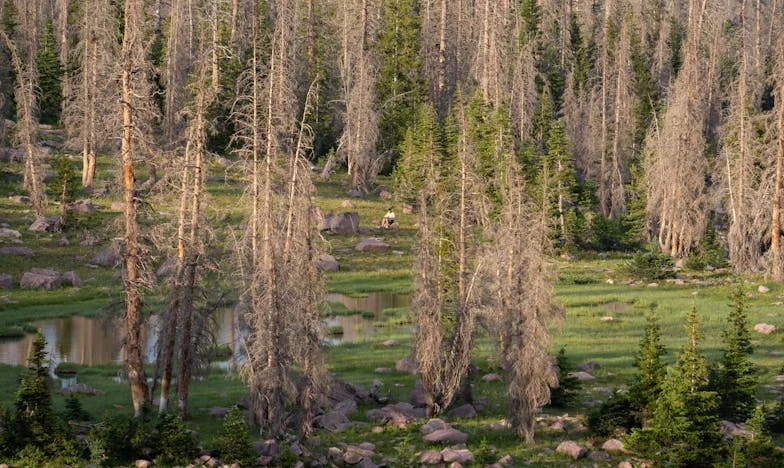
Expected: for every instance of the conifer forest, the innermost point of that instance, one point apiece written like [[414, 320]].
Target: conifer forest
[[580, 263]]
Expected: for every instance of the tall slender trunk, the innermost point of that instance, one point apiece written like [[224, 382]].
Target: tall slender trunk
[[169, 340], [775, 239], [133, 315], [442, 51]]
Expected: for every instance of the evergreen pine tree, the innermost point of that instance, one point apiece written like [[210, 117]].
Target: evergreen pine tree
[[558, 163], [421, 147], [234, 442], [33, 420], [648, 383], [50, 75], [735, 382], [400, 87], [685, 426]]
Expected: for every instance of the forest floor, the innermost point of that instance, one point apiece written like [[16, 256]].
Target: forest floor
[[591, 288]]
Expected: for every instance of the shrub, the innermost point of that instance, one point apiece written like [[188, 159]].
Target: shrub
[[234, 441], [614, 414], [173, 443], [74, 410], [568, 386], [652, 265]]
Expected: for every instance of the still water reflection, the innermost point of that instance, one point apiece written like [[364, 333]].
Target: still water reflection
[[93, 341]]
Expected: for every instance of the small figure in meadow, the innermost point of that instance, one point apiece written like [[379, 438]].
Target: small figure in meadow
[[389, 219]]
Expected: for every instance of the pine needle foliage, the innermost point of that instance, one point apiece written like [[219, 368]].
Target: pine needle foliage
[[684, 430], [735, 378]]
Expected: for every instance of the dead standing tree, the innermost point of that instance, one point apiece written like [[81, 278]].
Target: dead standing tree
[[446, 272], [26, 127], [675, 163], [189, 247], [521, 307], [136, 110], [282, 287], [90, 117]]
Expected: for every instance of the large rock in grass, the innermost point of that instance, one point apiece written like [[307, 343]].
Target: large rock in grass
[[613, 445], [6, 281], [465, 411], [335, 421], [73, 278], [19, 251], [341, 391], [457, 454], [81, 389], [430, 457], [327, 262], [399, 415], [371, 244], [84, 206], [573, 449], [406, 365], [433, 425], [764, 328], [9, 233], [343, 223], [450, 435], [39, 278], [108, 257], [46, 224]]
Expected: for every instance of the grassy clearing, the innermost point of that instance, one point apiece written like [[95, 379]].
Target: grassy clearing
[[583, 290]]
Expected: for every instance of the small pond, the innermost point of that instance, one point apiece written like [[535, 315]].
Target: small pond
[[94, 341]]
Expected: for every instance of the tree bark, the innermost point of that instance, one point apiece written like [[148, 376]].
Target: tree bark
[[775, 234], [133, 313]]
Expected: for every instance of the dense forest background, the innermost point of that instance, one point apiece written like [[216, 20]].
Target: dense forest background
[[659, 119], [509, 129]]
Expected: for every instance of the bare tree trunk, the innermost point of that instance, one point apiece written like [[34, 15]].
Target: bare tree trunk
[[442, 25], [775, 234], [27, 128], [169, 339], [605, 85], [133, 314]]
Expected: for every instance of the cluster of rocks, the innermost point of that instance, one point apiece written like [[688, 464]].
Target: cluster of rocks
[[360, 455], [575, 450], [341, 223], [48, 279]]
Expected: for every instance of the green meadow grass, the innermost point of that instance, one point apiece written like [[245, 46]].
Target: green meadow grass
[[583, 291]]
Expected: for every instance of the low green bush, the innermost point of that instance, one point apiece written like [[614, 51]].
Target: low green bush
[[651, 265]]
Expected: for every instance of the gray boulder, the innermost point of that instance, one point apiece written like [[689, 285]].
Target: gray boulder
[[17, 250], [335, 421], [343, 223], [457, 454], [450, 435], [46, 224], [39, 278], [573, 449], [464, 411], [371, 244], [9, 233], [108, 257], [73, 278], [430, 457], [433, 425], [327, 262], [6, 281], [406, 365], [84, 206]]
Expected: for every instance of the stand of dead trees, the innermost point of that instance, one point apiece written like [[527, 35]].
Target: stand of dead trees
[[282, 288]]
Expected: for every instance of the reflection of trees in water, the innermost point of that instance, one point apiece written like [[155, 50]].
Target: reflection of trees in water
[[98, 340]]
